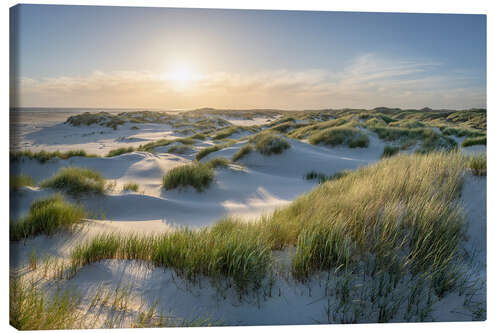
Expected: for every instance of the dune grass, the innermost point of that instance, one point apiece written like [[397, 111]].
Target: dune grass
[[430, 139], [477, 164], [120, 151], [243, 151], [197, 175], [269, 143], [219, 252], [208, 150], [76, 181], [307, 131], [180, 149], [461, 132], [44, 156], [134, 187], [321, 177], [150, 146], [226, 132], [474, 141], [19, 181], [31, 309], [390, 151], [218, 162], [47, 216], [342, 135]]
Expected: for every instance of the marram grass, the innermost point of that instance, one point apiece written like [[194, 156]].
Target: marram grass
[[47, 216], [19, 181], [197, 175], [76, 181]]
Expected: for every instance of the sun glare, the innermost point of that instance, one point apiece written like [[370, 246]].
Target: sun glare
[[181, 76]]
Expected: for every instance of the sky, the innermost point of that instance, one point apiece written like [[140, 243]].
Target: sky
[[174, 58]]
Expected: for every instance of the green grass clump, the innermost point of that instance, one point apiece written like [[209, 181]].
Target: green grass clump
[[208, 150], [31, 309], [343, 135], [19, 181], [321, 246], [120, 151], [44, 156], [306, 131], [197, 175], [430, 139], [131, 187], [227, 250], [474, 141], [390, 151], [477, 164], [180, 149], [47, 216], [76, 181], [461, 132], [268, 143], [225, 132], [321, 177], [244, 150], [164, 142], [218, 162]]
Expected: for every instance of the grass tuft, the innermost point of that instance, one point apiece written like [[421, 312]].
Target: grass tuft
[[390, 151], [197, 175], [76, 181], [131, 187], [44, 156], [342, 135], [218, 162], [268, 143], [474, 141], [19, 181], [47, 216], [120, 151], [244, 150], [477, 164]]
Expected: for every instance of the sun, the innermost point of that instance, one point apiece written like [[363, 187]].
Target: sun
[[181, 77]]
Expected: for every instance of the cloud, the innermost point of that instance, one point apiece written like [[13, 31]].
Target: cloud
[[368, 81]]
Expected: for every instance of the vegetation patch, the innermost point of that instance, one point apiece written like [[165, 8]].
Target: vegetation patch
[[197, 175], [223, 251], [243, 151], [76, 181], [180, 149], [120, 151], [134, 187], [474, 141], [477, 164], [31, 309], [390, 151], [19, 181], [208, 150], [218, 162], [461, 132], [268, 143], [47, 216], [343, 135], [44, 156], [150, 146], [321, 177]]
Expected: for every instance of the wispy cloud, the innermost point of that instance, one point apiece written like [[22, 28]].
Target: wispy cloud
[[367, 82]]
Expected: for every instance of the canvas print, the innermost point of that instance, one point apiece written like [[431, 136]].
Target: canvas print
[[219, 167]]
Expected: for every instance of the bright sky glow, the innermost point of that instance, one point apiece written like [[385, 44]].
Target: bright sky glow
[[85, 56]]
